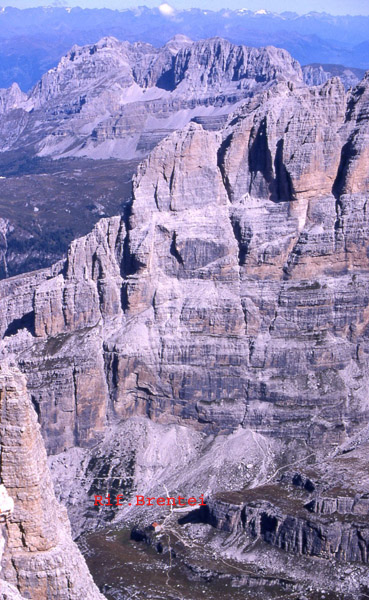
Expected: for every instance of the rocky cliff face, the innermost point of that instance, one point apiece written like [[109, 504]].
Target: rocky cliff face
[[115, 99], [240, 236], [4, 228], [279, 517], [11, 98], [40, 559], [228, 304], [108, 100], [316, 74]]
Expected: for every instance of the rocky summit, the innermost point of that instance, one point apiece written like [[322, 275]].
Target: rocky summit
[[213, 339], [114, 101]]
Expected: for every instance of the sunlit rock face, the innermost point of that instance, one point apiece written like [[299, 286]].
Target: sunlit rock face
[[40, 559], [223, 316], [7, 591], [232, 292]]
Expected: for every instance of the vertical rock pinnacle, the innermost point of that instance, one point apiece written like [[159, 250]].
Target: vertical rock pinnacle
[[40, 557]]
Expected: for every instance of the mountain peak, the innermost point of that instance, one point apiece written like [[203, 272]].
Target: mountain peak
[[179, 37], [166, 9], [177, 42]]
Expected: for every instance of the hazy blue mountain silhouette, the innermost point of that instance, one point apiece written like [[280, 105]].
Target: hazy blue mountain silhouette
[[32, 40]]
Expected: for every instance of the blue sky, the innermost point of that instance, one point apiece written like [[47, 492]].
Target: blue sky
[[337, 7]]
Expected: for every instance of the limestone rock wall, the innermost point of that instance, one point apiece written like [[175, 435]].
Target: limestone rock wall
[[115, 99], [316, 74], [11, 98], [232, 292], [283, 523], [40, 558]]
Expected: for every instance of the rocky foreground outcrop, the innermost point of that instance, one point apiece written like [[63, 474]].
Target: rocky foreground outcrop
[[280, 517], [228, 305], [7, 591], [40, 559]]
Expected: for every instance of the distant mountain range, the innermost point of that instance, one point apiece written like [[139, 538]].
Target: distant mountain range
[[114, 99], [33, 40]]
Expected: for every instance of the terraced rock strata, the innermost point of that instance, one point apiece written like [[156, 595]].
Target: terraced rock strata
[[217, 332]]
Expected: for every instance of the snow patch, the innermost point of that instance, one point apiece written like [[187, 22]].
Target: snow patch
[[166, 9]]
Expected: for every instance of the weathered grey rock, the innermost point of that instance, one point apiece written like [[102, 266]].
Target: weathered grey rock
[[232, 296], [11, 98], [281, 522], [9, 592], [237, 245], [108, 99], [4, 229], [316, 74], [341, 505]]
